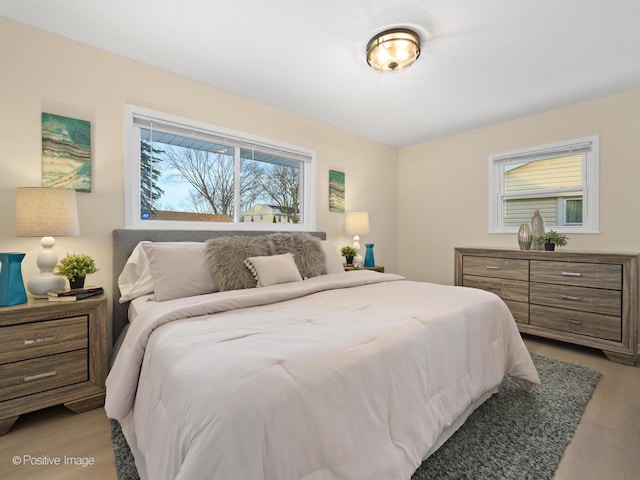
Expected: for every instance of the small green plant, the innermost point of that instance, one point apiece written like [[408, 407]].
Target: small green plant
[[555, 238], [348, 251], [75, 266]]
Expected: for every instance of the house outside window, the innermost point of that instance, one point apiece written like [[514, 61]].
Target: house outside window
[[189, 175], [560, 180]]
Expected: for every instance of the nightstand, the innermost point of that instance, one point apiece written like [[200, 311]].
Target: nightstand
[[52, 353], [377, 268]]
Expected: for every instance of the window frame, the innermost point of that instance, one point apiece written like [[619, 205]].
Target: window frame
[[562, 210], [235, 138], [589, 147]]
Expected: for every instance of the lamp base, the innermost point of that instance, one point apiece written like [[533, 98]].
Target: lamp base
[[39, 285]]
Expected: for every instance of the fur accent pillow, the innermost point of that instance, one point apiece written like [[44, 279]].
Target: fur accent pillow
[[273, 269], [307, 251], [226, 256]]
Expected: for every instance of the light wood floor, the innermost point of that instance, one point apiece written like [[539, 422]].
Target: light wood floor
[[606, 444]]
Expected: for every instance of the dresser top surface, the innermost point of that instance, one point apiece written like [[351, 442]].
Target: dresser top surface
[[558, 255]]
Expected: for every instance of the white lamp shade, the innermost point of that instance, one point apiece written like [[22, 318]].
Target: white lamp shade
[[357, 223], [44, 212]]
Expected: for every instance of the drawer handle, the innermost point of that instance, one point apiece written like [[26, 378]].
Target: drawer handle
[[39, 340], [568, 297], [571, 274], [573, 322], [492, 267], [52, 373]]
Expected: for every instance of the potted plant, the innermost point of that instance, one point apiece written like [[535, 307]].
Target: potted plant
[[550, 239], [76, 266], [348, 253]]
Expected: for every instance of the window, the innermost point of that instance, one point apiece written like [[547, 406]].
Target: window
[[186, 174], [560, 180]]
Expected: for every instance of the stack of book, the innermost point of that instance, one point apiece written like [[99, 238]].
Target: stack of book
[[74, 294]]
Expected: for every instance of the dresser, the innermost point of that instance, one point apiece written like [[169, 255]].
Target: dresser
[[584, 298], [52, 353]]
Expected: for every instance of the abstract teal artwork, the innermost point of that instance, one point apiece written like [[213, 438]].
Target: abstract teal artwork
[[336, 191], [66, 153]]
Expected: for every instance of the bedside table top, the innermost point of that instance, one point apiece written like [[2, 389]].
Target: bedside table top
[[377, 268], [36, 308]]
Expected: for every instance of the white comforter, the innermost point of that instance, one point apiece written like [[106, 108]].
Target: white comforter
[[309, 380]]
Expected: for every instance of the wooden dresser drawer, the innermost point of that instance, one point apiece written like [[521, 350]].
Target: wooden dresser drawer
[[505, 289], [519, 310], [37, 339], [496, 267], [606, 302], [45, 373], [578, 274], [574, 321]]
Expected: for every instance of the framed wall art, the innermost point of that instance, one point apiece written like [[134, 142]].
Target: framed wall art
[[336, 191], [66, 153]]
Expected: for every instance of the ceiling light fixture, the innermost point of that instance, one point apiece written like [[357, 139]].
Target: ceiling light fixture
[[393, 50]]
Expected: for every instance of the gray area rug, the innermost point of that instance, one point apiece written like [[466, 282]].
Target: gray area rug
[[515, 435]]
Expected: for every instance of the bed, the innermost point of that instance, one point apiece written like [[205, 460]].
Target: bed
[[312, 373]]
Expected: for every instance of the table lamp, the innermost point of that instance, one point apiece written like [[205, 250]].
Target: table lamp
[[356, 224], [46, 212]]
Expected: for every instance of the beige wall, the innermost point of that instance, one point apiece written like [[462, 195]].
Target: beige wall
[[42, 72], [437, 189], [443, 183]]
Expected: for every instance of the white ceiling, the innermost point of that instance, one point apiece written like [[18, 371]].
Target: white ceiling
[[483, 61]]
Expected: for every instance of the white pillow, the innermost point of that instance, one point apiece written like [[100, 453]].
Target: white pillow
[[135, 279], [179, 269], [273, 269], [332, 259]]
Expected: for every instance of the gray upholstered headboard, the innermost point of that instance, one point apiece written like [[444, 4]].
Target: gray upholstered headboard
[[125, 240]]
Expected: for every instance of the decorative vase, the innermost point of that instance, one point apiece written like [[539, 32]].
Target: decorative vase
[[550, 247], [537, 228], [349, 261], [524, 236], [12, 290], [368, 256], [77, 282]]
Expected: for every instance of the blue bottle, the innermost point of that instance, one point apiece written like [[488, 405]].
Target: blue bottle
[[12, 290], [368, 256]]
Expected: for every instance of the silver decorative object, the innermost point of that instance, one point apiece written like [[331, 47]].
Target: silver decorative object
[[537, 228], [524, 236]]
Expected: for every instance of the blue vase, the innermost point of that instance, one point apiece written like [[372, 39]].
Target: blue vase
[[368, 256], [12, 290]]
